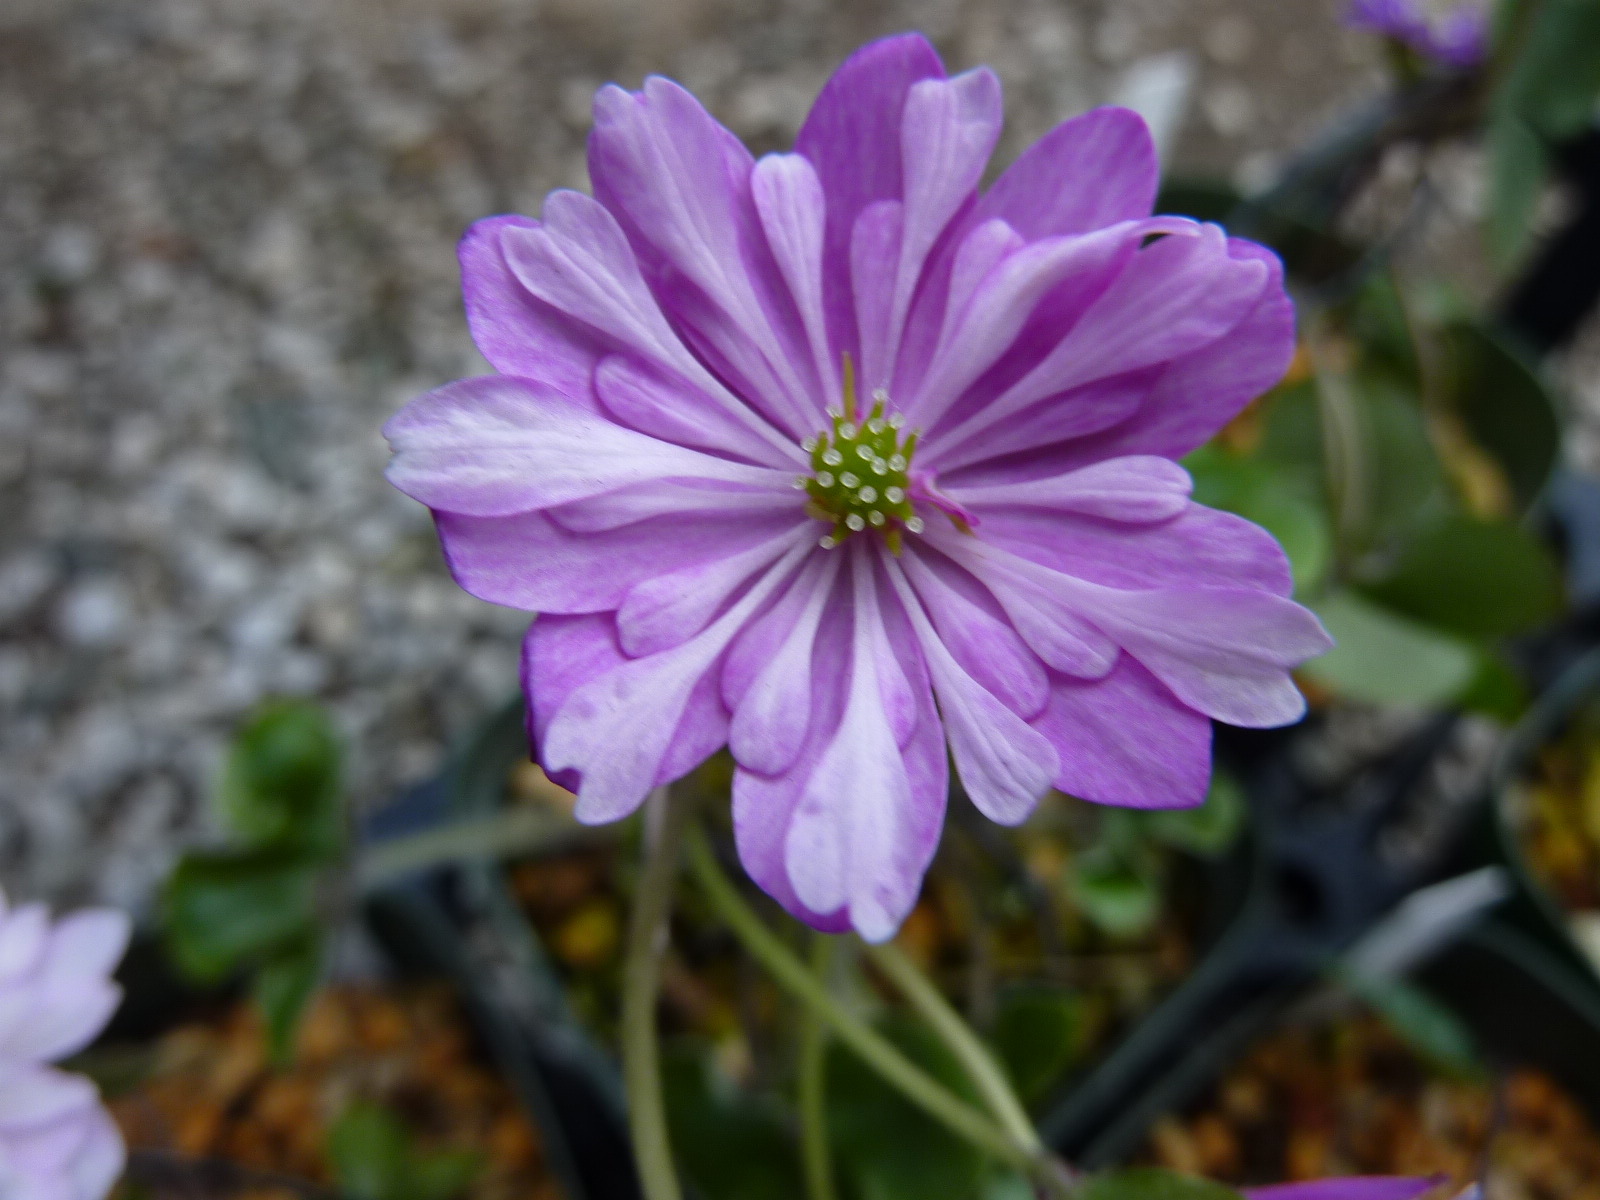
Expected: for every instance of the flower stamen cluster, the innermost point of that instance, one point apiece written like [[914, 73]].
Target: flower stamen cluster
[[860, 472]]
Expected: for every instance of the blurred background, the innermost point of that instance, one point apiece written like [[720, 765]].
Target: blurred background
[[227, 233]]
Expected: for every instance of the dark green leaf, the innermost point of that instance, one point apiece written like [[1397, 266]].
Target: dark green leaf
[[284, 983], [1152, 1183], [281, 784], [1518, 167], [1472, 578], [1504, 405], [1384, 658], [1397, 476], [1116, 896], [1428, 1027], [1556, 80], [1496, 691], [370, 1153], [222, 908], [1211, 828], [1037, 1034], [732, 1146], [887, 1148], [444, 1174]]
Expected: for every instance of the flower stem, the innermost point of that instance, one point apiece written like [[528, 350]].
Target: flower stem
[[875, 1050], [814, 1149], [511, 833], [641, 979], [975, 1058]]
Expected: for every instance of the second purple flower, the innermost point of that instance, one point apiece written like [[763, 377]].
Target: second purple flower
[[838, 461]]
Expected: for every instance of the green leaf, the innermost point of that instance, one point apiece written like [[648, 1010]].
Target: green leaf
[[1152, 1183], [1384, 658], [1400, 479], [1038, 1032], [884, 1146], [221, 908], [284, 984], [1556, 79], [370, 1152], [732, 1146], [1505, 406], [1278, 500], [1470, 577], [281, 783], [444, 1174], [373, 1159], [1208, 830], [1518, 167], [1431, 1030], [1117, 897]]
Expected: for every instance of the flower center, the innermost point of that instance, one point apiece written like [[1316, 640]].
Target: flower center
[[860, 476]]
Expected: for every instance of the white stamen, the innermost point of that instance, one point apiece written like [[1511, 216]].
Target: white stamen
[[828, 542], [847, 432], [849, 480], [915, 525], [868, 495], [810, 445], [832, 457], [880, 466], [866, 451], [876, 517], [875, 425], [897, 462], [893, 495], [881, 395], [800, 482], [825, 478], [896, 421], [855, 522]]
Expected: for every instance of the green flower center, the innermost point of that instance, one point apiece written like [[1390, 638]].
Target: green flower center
[[860, 472]]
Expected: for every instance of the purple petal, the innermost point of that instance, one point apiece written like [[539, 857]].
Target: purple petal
[[1045, 439], [789, 200], [1005, 765], [767, 675], [874, 253], [558, 654], [42, 1023], [493, 446], [580, 262], [24, 938], [1137, 489], [85, 945], [670, 607], [1126, 740], [852, 841], [982, 325], [33, 1095], [948, 131], [1200, 547], [616, 731], [518, 334], [853, 138], [679, 183], [1203, 391], [1223, 651], [664, 407], [1048, 190], [976, 632], [1176, 296], [532, 562], [1370, 1187]]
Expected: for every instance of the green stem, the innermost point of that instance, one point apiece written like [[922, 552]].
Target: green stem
[[875, 1050], [511, 833], [815, 1153], [641, 979], [968, 1048]]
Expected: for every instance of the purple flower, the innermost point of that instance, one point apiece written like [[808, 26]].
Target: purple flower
[[1366, 1187], [1458, 40], [56, 1140], [835, 460]]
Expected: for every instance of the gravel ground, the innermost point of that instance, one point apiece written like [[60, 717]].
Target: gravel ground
[[226, 255]]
